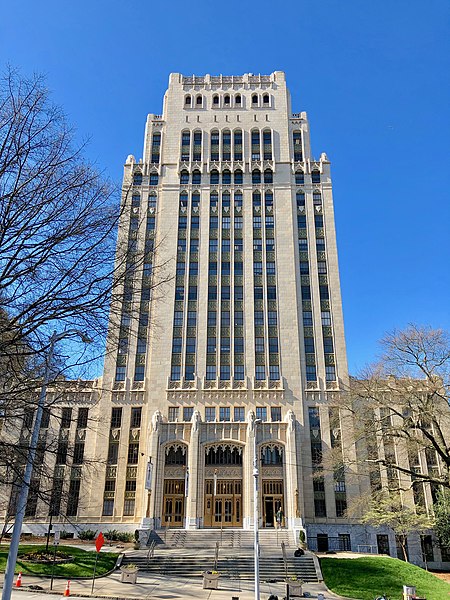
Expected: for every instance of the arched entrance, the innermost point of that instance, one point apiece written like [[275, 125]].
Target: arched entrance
[[174, 491], [272, 488], [223, 485]]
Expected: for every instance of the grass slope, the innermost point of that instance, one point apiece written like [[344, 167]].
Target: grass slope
[[81, 566], [366, 578]]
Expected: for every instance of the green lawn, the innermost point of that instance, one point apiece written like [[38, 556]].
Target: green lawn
[[82, 564], [365, 578]]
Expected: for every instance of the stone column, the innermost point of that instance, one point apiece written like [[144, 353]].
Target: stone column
[[292, 468], [192, 520], [148, 514], [247, 473]]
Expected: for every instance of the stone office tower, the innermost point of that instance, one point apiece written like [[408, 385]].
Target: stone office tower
[[247, 339]]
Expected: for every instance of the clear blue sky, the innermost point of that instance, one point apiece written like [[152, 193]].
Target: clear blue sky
[[373, 77]]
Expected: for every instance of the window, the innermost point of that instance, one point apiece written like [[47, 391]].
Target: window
[[258, 293], [238, 100], [225, 292], [238, 293], [297, 139], [226, 177], [214, 177], [180, 269], [323, 292], [192, 318], [255, 100], [216, 100], [301, 221], [330, 373], [271, 292], [307, 318], [257, 245], [210, 372], [173, 414], [309, 345], [188, 411], [61, 452], [238, 268], [176, 345], [141, 345], [199, 101], [210, 414], [311, 373], [239, 372], [82, 419], [196, 177], [189, 373], [318, 221], [195, 222], [136, 416], [257, 268], [188, 101], [260, 372], [273, 345], [185, 145], [226, 245], [326, 318], [225, 373], [225, 318], [266, 99], [256, 176], [267, 147], [275, 413], [239, 345], [320, 244], [239, 413], [66, 418], [306, 292], [152, 200], [213, 222], [226, 100], [211, 345], [238, 178], [317, 198], [175, 373], [224, 413], [212, 292], [190, 345], [304, 268], [303, 245], [299, 178], [153, 180], [238, 317], [269, 222], [197, 149], [322, 267], [315, 176], [328, 345], [137, 178], [139, 373], [259, 317], [215, 146], [133, 453], [156, 145], [257, 222], [274, 372], [212, 318], [226, 145], [182, 222], [226, 222], [120, 373], [225, 345], [74, 494], [261, 413], [268, 176], [255, 141], [181, 245], [179, 292], [213, 245], [238, 145], [272, 318]]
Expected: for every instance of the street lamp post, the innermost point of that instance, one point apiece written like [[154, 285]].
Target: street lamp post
[[256, 508], [25, 485]]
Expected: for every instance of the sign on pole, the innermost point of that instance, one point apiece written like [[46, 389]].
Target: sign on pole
[[99, 542], [148, 476], [56, 538]]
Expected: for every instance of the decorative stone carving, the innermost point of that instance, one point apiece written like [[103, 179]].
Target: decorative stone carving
[[290, 418], [251, 421], [156, 420], [196, 419]]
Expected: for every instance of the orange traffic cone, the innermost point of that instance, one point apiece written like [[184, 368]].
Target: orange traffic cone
[[67, 590], [19, 580]]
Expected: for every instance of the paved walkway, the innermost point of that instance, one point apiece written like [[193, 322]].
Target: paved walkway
[[162, 588]]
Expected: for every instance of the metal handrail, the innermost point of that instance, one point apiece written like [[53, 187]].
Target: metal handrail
[[216, 556]]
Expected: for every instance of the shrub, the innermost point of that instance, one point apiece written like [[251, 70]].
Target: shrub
[[87, 534], [65, 535]]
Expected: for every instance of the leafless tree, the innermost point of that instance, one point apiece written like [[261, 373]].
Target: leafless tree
[[399, 412], [61, 266]]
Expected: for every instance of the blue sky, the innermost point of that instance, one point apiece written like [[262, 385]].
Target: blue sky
[[373, 77]]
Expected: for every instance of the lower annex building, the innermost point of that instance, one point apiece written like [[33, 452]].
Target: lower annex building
[[243, 349]]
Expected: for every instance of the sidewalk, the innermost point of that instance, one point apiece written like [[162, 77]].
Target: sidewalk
[[164, 588]]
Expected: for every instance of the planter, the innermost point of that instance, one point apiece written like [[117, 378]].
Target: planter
[[210, 581], [128, 575], [295, 588]]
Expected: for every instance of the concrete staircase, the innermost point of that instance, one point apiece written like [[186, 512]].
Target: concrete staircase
[[182, 553]]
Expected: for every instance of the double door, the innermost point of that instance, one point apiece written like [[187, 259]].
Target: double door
[[173, 503], [272, 501], [223, 503]]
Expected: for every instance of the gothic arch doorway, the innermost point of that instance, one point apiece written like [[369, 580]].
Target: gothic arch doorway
[[174, 488]]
